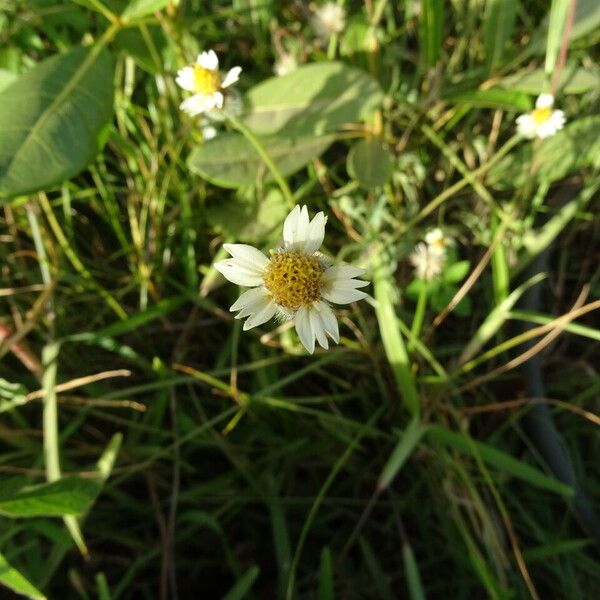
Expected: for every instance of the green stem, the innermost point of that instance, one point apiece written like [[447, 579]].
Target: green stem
[[417, 323], [393, 343], [283, 186]]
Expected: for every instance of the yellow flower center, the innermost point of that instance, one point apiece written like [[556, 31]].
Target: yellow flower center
[[206, 81], [541, 115], [294, 279]]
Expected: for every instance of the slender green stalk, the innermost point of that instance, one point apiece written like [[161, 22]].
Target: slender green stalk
[[283, 186], [417, 323], [393, 342]]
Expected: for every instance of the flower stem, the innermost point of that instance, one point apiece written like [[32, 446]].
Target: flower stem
[[283, 186], [417, 323]]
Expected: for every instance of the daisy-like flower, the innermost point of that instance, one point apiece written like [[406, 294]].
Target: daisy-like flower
[[429, 257], [295, 282], [328, 19], [204, 80], [542, 121]]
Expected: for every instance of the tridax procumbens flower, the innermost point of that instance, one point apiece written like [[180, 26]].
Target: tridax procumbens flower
[[429, 257], [542, 121], [295, 282], [204, 80], [328, 19]]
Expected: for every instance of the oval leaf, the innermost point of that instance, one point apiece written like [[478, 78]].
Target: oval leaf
[[317, 98], [230, 160], [369, 163], [13, 580], [51, 118]]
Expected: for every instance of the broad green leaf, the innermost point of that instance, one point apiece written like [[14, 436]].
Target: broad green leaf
[[251, 221], [314, 99], [406, 445], [493, 98], [51, 119], [431, 30], [13, 580], [499, 460], [243, 584], [499, 21], [69, 496], [573, 80], [230, 160], [575, 147], [369, 162], [141, 8], [136, 45], [6, 78]]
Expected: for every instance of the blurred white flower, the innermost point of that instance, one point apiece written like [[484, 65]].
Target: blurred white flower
[[286, 64], [204, 80], [295, 282], [429, 257], [542, 122], [209, 132], [328, 19]]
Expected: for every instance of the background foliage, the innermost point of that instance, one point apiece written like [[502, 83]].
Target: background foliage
[[150, 449]]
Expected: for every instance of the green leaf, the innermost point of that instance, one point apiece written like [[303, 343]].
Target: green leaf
[[431, 30], [413, 577], [587, 18], [575, 147], [402, 451], [12, 579], [573, 80], [69, 496], [493, 98], [499, 21], [243, 584], [230, 160], [140, 8], [314, 99], [498, 459], [51, 119], [326, 585], [456, 272], [370, 163], [250, 221], [133, 42], [6, 78]]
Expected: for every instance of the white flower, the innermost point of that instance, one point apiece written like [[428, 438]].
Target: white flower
[[204, 80], [296, 282], [542, 122], [329, 19], [429, 257]]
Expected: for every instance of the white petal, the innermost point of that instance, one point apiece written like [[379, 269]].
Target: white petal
[[347, 284], [232, 76], [315, 233], [249, 298], [317, 327], [247, 255], [526, 126], [544, 101], [547, 129], [239, 273], [295, 227], [342, 272], [218, 100], [304, 329], [208, 60], [328, 320], [197, 104], [558, 119], [185, 79], [266, 313], [342, 296]]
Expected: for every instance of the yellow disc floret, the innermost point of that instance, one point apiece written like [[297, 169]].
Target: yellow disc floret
[[206, 81], [541, 115], [294, 279]]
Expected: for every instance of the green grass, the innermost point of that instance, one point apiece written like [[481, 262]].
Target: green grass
[[231, 464]]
